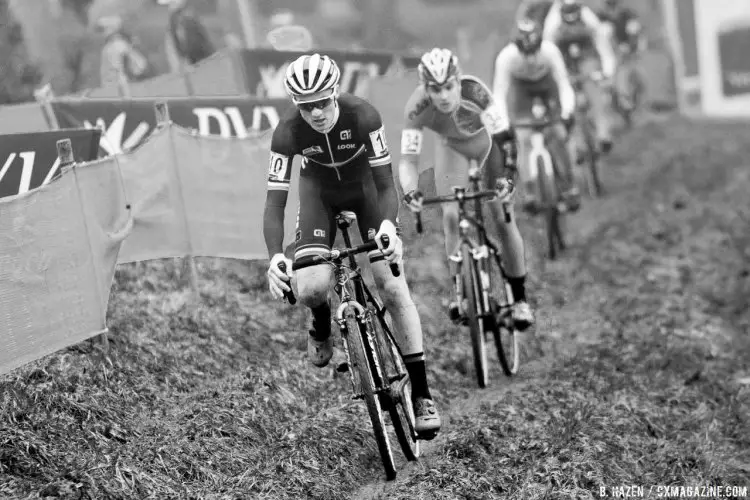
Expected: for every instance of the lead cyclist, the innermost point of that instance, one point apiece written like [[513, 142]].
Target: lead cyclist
[[471, 125], [346, 167]]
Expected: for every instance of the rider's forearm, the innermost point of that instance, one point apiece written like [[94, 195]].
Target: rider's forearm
[[408, 174], [606, 53], [387, 194], [273, 221]]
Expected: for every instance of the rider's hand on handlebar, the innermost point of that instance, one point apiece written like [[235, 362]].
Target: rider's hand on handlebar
[[413, 200], [395, 249], [279, 281], [505, 188]]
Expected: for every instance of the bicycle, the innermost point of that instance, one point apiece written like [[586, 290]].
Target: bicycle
[[591, 173], [542, 169], [625, 102], [373, 358], [479, 264]]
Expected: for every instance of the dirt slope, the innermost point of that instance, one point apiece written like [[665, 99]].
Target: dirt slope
[[638, 372]]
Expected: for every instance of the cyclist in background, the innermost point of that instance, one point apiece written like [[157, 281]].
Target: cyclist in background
[[568, 23], [530, 67], [346, 165], [626, 35], [460, 109]]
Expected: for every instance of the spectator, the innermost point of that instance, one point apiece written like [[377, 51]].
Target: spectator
[[187, 40], [121, 61]]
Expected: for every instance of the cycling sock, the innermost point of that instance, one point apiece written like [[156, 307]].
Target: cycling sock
[[518, 288], [418, 375], [321, 321]]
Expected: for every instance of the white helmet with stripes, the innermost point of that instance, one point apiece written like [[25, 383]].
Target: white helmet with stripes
[[437, 66], [310, 74]]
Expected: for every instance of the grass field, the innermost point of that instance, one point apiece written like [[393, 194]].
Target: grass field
[[637, 373]]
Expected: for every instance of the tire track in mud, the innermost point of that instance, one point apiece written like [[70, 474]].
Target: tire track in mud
[[569, 295]]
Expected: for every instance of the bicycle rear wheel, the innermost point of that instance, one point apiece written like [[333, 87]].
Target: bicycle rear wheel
[[471, 295], [401, 408], [505, 335], [359, 358]]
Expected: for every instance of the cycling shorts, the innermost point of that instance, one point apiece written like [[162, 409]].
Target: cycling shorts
[[521, 96], [323, 193], [453, 156]]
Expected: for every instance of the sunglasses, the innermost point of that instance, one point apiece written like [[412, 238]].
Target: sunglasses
[[310, 106]]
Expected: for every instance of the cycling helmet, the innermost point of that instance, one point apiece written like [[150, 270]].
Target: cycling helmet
[[310, 74], [528, 37], [570, 11], [437, 66]]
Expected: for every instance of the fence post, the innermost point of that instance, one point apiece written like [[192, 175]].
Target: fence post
[[188, 263], [67, 161]]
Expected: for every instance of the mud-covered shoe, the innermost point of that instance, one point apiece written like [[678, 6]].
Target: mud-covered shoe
[[427, 419], [454, 313], [319, 351], [523, 316], [572, 199]]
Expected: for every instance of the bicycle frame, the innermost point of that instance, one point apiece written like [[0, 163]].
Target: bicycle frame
[[354, 302], [480, 250]]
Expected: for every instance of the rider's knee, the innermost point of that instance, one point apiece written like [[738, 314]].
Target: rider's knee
[[393, 290], [450, 219], [312, 287]]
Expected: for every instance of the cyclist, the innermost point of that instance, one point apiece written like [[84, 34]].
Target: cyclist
[[530, 67], [626, 34], [568, 23], [346, 165], [460, 109]]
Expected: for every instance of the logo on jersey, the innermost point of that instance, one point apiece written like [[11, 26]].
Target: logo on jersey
[[312, 150], [421, 106], [277, 167], [346, 146], [346, 135], [319, 233]]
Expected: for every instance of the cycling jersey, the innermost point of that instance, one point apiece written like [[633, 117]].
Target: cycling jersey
[[511, 65], [627, 27], [588, 32], [353, 154], [476, 113]]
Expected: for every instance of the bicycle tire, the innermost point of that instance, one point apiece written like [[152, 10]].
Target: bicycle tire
[[400, 408], [359, 358], [508, 353], [593, 180], [471, 295], [549, 200]]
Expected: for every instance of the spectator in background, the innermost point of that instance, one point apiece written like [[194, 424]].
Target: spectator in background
[[187, 40], [121, 61]]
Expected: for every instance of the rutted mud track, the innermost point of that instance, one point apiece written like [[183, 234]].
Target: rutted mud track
[[637, 371], [592, 292]]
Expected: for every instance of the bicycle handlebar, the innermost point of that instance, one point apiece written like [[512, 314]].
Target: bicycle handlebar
[[452, 198], [335, 254], [537, 122]]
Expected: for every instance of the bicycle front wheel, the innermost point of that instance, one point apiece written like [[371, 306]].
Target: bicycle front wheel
[[593, 181], [471, 297], [550, 200], [401, 408], [359, 358]]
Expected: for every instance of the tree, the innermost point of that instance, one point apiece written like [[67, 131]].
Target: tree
[[19, 76]]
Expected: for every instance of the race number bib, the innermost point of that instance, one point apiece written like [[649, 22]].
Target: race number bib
[[277, 167], [494, 120], [377, 138], [411, 142]]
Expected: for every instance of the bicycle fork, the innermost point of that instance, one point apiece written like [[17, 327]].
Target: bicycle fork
[[363, 317]]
